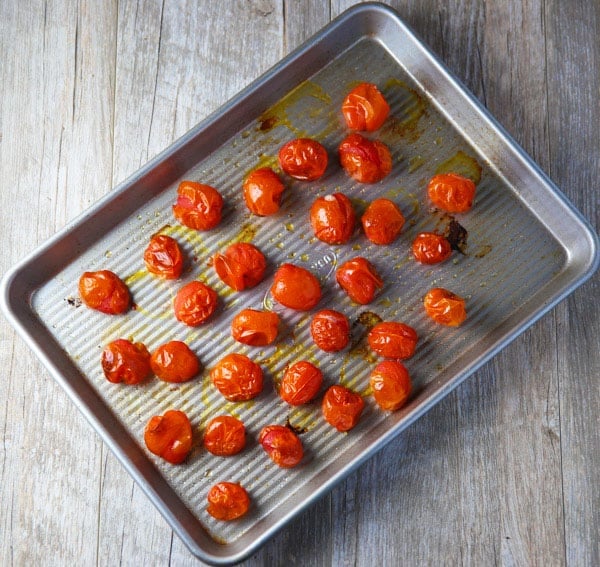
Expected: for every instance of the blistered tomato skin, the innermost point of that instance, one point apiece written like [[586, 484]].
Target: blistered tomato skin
[[332, 218], [237, 377], [198, 206], [451, 192], [303, 159], [255, 328], [382, 221], [359, 279], [393, 340], [224, 436], [126, 362], [296, 288], [330, 330], [169, 436], [163, 257], [301, 383], [445, 307], [227, 501], [241, 266], [342, 407], [104, 291], [262, 192], [194, 303], [391, 385], [282, 445], [431, 248], [366, 161], [174, 362], [365, 108]]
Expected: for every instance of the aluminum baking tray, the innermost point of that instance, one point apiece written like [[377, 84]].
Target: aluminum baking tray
[[527, 249]]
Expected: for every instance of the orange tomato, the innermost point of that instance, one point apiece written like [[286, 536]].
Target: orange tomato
[[237, 377], [104, 291], [163, 257], [169, 436], [296, 288], [391, 385], [241, 266], [431, 248], [330, 330], [359, 279], [255, 328], [382, 221], [365, 108], [262, 192], [451, 192], [282, 445], [198, 206], [174, 362], [227, 501], [445, 307], [393, 340], [366, 161], [301, 383], [303, 159], [224, 436], [332, 218], [342, 407], [125, 361], [194, 303]]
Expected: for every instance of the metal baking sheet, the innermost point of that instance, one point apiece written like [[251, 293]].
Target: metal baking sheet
[[527, 249]]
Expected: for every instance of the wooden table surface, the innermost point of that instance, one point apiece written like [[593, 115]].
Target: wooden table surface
[[505, 470]]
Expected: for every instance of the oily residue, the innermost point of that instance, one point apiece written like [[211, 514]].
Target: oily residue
[[404, 121], [462, 164], [483, 251], [246, 233]]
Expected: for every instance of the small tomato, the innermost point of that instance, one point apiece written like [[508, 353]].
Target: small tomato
[[332, 218], [365, 108], [303, 159], [237, 377], [163, 257], [330, 330], [359, 279], [451, 192], [174, 361], [198, 206], [342, 407], [393, 340], [104, 291], [431, 248], [282, 445], [445, 307], [169, 436], [366, 161], [194, 303], [255, 328], [262, 192], [300, 383], [296, 287], [382, 221], [125, 361], [391, 385], [241, 266], [224, 436], [227, 501]]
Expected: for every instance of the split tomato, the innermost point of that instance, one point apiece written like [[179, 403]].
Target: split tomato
[[262, 192], [255, 328], [365, 108]]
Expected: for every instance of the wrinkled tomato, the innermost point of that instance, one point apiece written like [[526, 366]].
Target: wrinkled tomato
[[303, 159], [163, 257], [125, 361], [330, 330], [198, 206], [224, 436], [332, 218], [241, 266], [169, 436], [451, 192], [445, 307], [237, 377], [431, 248], [342, 407], [301, 382], [359, 279], [296, 287], [262, 192], [255, 328], [174, 362], [366, 161], [282, 445], [194, 303], [104, 291], [382, 221], [393, 340], [365, 108], [227, 501], [391, 385]]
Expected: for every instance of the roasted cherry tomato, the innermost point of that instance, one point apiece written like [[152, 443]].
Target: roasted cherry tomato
[[330, 330], [393, 340], [445, 307], [303, 159], [163, 257], [227, 501], [365, 108], [262, 192], [332, 218], [391, 385], [237, 377], [241, 266], [104, 291], [125, 361], [174, 362], [301, 383], [451, 192], [282, 445], [366, 161], [431, 248], [198, 206], [296, 287], [194, 303], [382, 221], [255, 328], [359, 279], [169, 436], [342, 407], [224, 436]]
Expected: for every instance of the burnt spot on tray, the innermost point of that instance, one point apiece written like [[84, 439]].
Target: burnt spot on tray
[[457, 236], [295, 428], [74, 301]]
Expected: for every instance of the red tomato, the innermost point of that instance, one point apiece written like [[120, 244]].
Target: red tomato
[[296, 288], [262, 192], [224, 436], [174, 362], [237, 377], [365, 108], [169, 436], [303, 159], [342, 407], [194, 303], [104, 291], [451, 192], [198, 206], [282, 445], [125, 361], [445, 307], [431, 248], [227, 501], [330, 330], [366, 161], [382, 221], [255, 328], [163, 257], [301, 383], [241, 266], [391, 385], [332, 218], [393, 340], [359, 279]]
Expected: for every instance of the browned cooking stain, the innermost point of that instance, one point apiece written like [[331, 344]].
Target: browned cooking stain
[[462, 164]]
